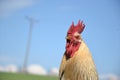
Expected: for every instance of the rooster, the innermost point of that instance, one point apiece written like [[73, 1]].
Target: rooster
[[77, 62]]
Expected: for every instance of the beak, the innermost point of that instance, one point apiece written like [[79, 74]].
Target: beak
[[67, 38]]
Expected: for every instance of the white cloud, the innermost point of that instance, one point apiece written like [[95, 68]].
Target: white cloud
[[109, 77], [2, 69], [10, 68], [7, 7], [54, 71], [36, 69]]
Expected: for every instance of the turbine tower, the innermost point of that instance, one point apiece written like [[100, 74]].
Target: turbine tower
[[32, 21]]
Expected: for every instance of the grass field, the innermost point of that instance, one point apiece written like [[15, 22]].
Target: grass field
[[20, 76]]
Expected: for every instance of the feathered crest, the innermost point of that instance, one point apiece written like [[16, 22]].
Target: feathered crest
[[76, 28]]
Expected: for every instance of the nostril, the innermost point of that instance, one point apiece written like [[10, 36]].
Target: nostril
[[68, 40]]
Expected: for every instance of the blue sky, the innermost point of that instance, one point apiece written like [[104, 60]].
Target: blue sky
[[101, 34]]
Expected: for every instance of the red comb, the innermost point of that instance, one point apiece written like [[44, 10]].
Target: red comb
[[76, 28]]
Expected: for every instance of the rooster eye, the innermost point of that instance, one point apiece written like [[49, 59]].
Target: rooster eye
[[77, 37]]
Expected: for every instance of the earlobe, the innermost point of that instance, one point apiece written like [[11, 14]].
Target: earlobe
[[80, 40]]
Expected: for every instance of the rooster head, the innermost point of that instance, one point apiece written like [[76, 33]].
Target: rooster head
[[73, 39]]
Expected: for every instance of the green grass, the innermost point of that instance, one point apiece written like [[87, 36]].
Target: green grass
[[20, 76]]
